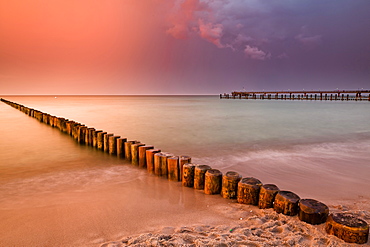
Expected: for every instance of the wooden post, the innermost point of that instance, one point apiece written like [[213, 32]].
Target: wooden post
[[213, 182], [312, 211], [173, 168], [348, 228], [183, 160], [286, 202], [135, 153], [128, 149], [100, 140], [81, 134], [164, 165], [267, 195], [121, 147], [157, 163], [230, 185], [106, 142], [89, 136], [142, 155], [95, 138], [113, 144], [199, 176], [150, 159], [188, 175], [248, 191]]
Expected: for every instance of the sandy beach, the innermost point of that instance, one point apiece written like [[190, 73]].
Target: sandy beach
[[248, 226]]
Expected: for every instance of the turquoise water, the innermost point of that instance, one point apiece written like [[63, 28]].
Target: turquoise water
[[316, 149]]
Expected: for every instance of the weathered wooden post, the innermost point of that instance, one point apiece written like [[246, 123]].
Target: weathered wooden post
[[199, 176], [142, 155], [213, 182], [158, 163], [164, 165], [286, 202], [248, 190], [230, 185], [89, 136], [150, 159], [135, 153], [173, 168], [106, 142], [112, 140], [188, 175], [312, 211], [121, 147], [100, 140], [267, 195], [183, 160], [81, 134], [128, 149], [348, 228], [95, 138]]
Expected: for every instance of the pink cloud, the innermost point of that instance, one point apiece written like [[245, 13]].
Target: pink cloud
[[211, 32], [184, 18], [255, 53]]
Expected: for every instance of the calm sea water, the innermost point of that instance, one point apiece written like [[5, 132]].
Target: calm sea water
[[317, 149]]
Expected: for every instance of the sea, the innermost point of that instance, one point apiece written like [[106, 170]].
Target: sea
[[55, 192]]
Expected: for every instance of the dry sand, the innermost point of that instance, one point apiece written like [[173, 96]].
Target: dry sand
[[251, 227]]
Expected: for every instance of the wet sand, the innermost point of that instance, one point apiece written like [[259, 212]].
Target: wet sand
[[151, 211]]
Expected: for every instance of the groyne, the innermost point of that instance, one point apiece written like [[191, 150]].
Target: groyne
[[231, 185], [331, 95]]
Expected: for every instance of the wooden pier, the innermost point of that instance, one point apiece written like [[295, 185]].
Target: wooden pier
[[342, 95]]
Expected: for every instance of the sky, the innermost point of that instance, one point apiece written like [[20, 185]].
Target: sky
[[125, 47]]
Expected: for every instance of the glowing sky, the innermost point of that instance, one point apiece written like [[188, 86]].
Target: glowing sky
[[182, 46]]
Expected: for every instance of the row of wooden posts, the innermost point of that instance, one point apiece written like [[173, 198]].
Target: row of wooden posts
[[231, 185]]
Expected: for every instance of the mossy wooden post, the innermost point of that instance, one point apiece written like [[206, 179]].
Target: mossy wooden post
[[158, 163], [230, 185], [213, 182], [150, 159], [142, 155], [121, 147], [164, 164], [188, 175], [182, 161], [106, 142], [312, 211], [128, 149], [199, 176], [95, 138], [286, 202], [348, 228], [100, 140], [267, 195], [173, 168], [249, 191], [113, 144], [135, 153]]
